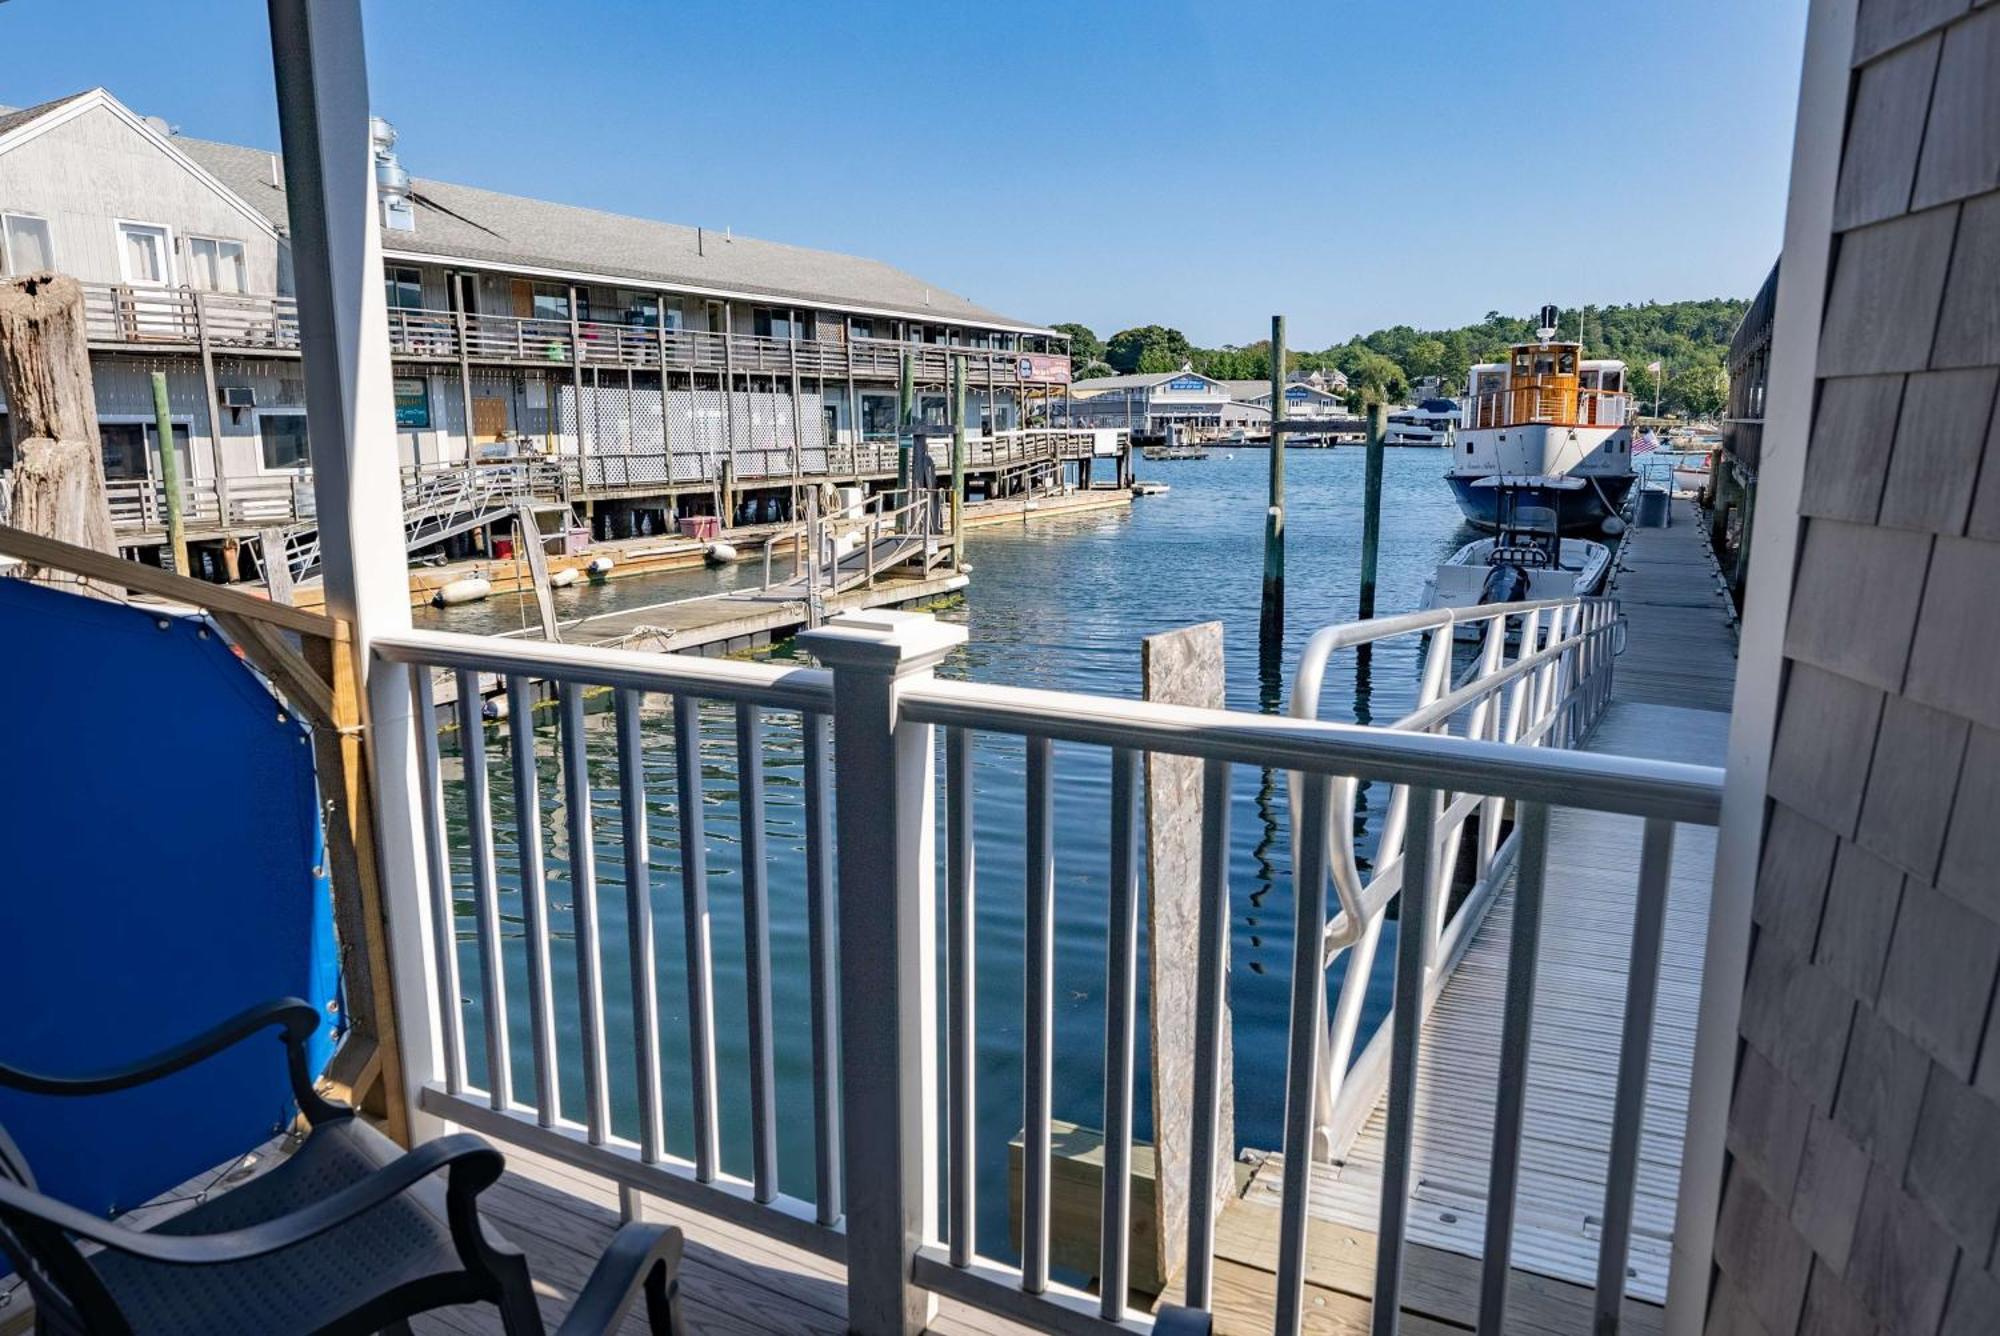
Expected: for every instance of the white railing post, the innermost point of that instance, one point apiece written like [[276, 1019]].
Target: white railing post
[[885, 772], [320, 67]]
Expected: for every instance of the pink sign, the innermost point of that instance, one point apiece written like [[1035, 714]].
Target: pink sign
[[1045, 367]]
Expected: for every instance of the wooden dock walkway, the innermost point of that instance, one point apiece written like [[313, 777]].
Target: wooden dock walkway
[[1670, 700]]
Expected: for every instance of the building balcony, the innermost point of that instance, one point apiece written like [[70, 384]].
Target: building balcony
[[123, 318]]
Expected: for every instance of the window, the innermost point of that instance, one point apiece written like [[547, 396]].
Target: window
[[551, 302], [878, 415], [216, 265], [143, 254], [26, 247], [769, 323], [131, 450], [405, 288], [284, 440]]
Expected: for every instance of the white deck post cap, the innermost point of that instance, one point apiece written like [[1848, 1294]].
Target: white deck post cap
[[882, 639]]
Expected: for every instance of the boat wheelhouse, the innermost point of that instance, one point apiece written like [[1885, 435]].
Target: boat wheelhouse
[[1547, 411]]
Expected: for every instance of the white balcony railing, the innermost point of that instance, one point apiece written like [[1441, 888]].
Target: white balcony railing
[[867, 724]]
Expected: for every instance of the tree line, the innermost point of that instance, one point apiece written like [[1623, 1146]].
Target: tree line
[[1690, 339]]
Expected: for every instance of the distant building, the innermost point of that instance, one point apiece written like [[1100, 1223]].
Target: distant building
[[642, 357], [1151, 401], [1303, 398]]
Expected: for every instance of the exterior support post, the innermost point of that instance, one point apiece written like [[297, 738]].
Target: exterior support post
[[458, 281], [958, 462], [575, 373], [219, 469], [888, 955], [321, 67], [170, 474], [906, 428]]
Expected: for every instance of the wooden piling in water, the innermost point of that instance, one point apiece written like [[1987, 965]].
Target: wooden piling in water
[[1371, 506], [1271, 621]]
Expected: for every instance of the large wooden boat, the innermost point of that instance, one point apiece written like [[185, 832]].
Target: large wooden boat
[[1547, 411]]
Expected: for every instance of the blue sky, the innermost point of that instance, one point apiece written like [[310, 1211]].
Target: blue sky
[[1194, 164]]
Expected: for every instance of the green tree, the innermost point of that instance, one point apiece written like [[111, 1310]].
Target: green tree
[[1161, 348], [1084, 345]]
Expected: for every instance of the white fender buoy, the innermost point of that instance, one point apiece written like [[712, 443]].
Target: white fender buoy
[[600, 567], [494, 707], [471, 589], [1613, 526], [563, 578], [718, 554]]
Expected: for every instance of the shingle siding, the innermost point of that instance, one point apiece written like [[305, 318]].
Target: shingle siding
[[1865, 1124]]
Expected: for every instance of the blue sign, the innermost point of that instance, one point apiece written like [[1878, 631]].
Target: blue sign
[[1193, 383], [1297, 394]]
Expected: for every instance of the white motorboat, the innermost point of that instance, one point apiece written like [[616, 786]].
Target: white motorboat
[[1527, 559]]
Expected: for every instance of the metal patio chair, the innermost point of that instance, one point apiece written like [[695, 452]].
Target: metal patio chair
[[349, 1234]]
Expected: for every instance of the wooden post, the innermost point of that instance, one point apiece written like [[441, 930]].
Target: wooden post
[[576, 377], [52, 411], [221, 470], [1181, 667], [1371, 505], [277, 567], [465, 374], [170, 474], [957, 462], [1271, 620]]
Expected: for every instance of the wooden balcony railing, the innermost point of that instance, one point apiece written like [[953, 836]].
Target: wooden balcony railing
[[1530, 405], [126, 316]]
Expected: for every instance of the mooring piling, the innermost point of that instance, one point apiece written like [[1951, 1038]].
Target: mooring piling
[[1371, 506], [170, 474], [1271, 622]]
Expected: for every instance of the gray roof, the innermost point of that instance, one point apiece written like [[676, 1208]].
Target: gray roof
[[1138, 381], [11, 117], [465, 222]]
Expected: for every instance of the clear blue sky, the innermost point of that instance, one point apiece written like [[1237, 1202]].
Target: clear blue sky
[[1194, 164]]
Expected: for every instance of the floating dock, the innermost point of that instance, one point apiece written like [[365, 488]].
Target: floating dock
[[1670, 701]]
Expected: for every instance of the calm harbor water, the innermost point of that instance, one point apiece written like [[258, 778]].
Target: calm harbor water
[[1060, 602]]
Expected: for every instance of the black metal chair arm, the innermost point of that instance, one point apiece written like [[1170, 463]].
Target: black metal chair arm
[[299, 1019], [474, 1165], [642, 1258]]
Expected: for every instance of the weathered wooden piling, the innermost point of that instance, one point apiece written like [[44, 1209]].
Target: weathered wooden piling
[[906, 428], [1271, 621], [1371, 506], [45, 377], [170, 473]]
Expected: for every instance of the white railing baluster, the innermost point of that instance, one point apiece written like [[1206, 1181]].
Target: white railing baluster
[[639, 926], [1038, 1019], [583, 910], [1121, 1006], [962, 1037], [443, 905], [757, 951], [1628, 1119], [534, 895], [1406, 1023], [1511, 1090], [1302, 1050], [1211, 981], [694, 913], [823, 970], [485, 891]]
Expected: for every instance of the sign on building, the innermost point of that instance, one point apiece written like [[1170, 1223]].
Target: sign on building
[[1044, 367], [413, 402], [1189, 384]]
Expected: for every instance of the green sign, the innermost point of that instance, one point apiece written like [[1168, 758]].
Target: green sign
[[413, 402]]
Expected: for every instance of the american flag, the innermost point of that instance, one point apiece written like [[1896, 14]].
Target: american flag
[[1644, 443]]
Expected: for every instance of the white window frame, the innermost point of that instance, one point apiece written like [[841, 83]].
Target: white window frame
[[6, 247], [150, 433], [241, 245], [257, 416], [166, 231]]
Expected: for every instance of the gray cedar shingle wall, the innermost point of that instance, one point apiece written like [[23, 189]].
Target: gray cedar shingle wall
[[1864, 1170]]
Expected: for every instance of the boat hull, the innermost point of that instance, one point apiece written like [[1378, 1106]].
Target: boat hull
[[1581, 512], [1601, 456]]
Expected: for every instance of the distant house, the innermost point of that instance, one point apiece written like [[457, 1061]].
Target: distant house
[[1303, 398], [628, 349], [1152, 401]]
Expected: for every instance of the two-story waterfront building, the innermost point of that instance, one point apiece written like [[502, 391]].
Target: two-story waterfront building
[[648, 365]]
